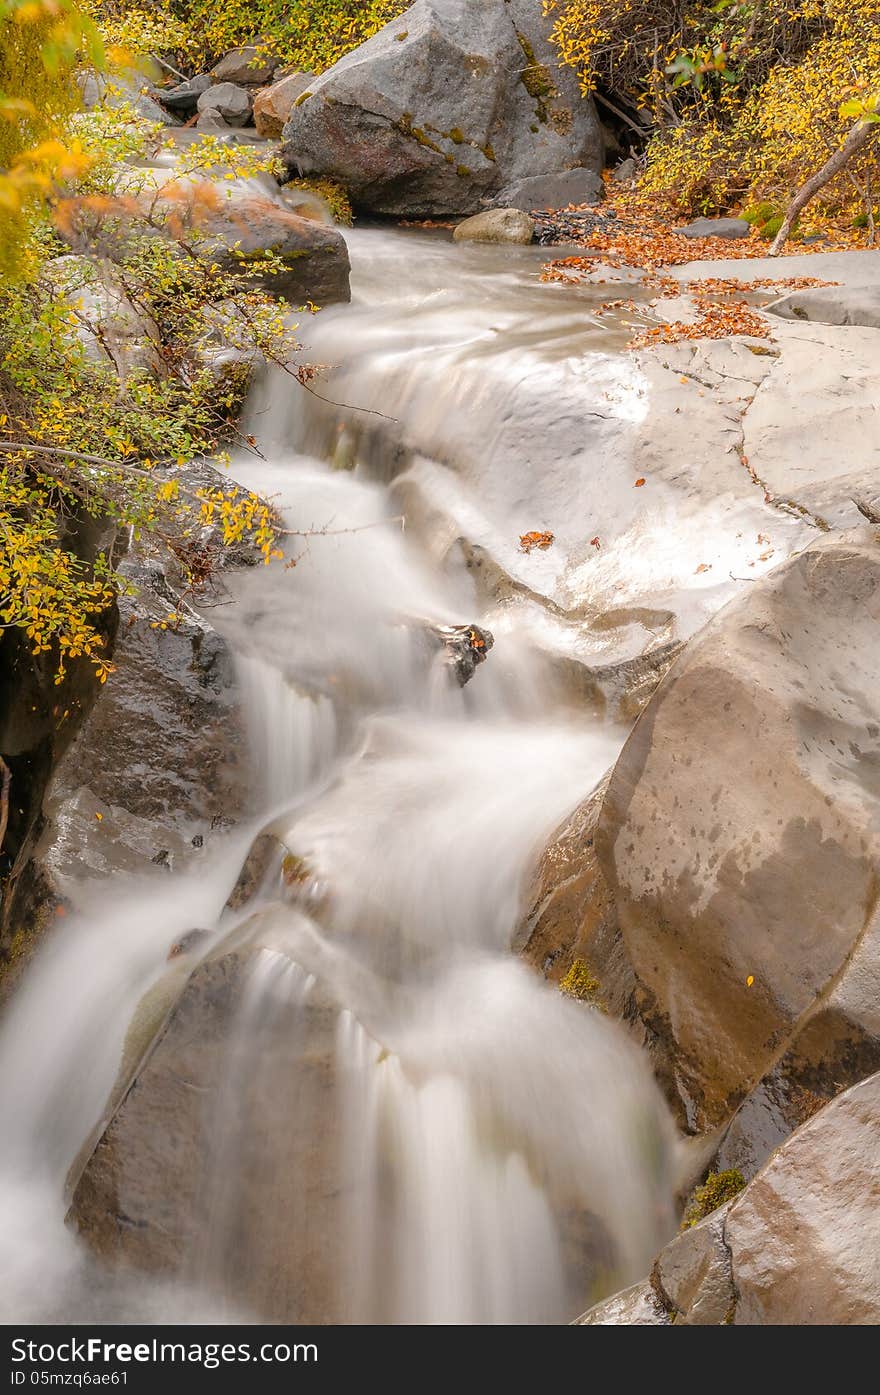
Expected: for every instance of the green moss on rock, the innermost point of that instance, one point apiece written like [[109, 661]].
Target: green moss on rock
[[332, 193], [580, 983], [718, 1188]]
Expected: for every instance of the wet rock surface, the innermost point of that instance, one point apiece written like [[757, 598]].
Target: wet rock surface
[[182, 1183], [797, 1248], [39, 720], [156, 771], [443, 108], [736, 837]]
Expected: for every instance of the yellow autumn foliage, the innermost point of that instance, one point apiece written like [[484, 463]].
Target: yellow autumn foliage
[[744, 97]]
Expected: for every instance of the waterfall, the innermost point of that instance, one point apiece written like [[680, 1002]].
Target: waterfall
[[395, 1121]]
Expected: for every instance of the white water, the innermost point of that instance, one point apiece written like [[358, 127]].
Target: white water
[[409, 1125]]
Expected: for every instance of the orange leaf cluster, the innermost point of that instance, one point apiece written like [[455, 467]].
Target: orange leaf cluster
[[720, 315], [714, 322], [540, 540]]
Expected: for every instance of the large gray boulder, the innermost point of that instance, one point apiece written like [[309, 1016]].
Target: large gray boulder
[[443, 108], [740, 840], [799, 1247]]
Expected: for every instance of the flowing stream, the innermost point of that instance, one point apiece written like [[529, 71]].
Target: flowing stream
[[401, 1122]]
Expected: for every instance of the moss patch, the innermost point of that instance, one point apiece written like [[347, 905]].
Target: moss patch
[[536, 79], [717, 1188], [333, 194], [580, 983]]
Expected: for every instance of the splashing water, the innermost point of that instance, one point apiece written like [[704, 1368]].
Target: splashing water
[[384, 1117]]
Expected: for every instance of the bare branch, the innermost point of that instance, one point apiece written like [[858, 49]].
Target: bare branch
[[4, 799]]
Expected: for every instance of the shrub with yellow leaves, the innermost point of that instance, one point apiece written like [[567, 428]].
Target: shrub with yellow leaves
[[312, 34], [745, 97], [40, 43], [81, 440]]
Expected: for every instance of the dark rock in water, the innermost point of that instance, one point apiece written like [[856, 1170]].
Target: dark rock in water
[[577, 186], [443, 108], [251, 66], [732, 228], [183, 99], [158, 766], [466, 648], [39, 719], [265, 855], [156, 1195]]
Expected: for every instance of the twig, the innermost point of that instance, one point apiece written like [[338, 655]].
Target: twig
[[4, 799], [621, 114], [167, 66], [344, 406]]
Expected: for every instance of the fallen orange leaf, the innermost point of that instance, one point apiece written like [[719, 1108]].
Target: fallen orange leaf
[[529, 540], [638, 484]]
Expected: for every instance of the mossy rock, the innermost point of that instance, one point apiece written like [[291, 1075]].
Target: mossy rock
[[581, 983], [332, 193], [718, 1188]]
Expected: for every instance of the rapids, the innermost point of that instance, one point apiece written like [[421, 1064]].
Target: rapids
[[497, 1152]]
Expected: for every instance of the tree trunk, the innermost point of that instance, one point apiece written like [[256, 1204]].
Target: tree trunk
[[861, 134]]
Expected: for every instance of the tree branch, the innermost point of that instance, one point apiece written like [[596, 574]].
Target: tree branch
[[4, 799], [860, 135]]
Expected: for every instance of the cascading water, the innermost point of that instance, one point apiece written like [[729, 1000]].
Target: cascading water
[[380, 1115]]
